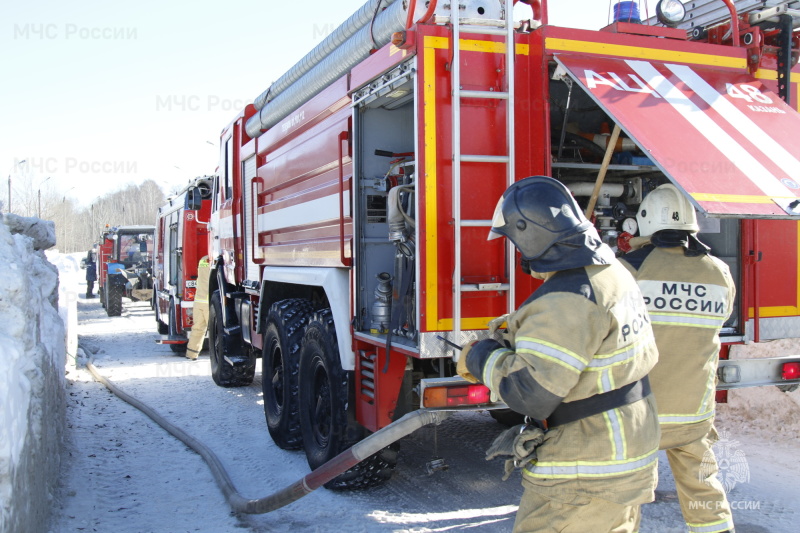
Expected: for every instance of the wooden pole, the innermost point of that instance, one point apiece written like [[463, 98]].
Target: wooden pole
[[612, 142]]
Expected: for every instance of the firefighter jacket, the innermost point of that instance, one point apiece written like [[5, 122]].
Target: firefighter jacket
[[689, 297], [201, 288], [584, 332]]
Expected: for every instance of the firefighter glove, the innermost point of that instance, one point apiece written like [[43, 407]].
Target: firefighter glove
[[517, 445], [461, 366]]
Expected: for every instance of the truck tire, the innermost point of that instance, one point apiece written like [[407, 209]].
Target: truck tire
[[173, 330], [280, 360], [325, 423], [114, 299], [232, 365], [101, 293]]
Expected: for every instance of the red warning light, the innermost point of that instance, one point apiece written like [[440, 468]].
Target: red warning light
[[791, 371]]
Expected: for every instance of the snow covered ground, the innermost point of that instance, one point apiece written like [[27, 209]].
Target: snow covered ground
[[123, 473]]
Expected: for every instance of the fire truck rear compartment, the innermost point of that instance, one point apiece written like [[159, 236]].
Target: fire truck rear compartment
[[580, 131]]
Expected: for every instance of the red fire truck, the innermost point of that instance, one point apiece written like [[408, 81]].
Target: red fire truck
[[181, 239], [124, 266], [353, 198]]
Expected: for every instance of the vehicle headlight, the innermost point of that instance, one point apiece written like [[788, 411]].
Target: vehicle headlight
[[670, 12]]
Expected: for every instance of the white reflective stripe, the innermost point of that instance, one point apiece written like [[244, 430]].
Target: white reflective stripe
[[676, 319], [303, 214], [491, 363], [718, 137], [685, 419], [552, 352], [605, 381], [602, 361], [612, 418], [711, 527], [738, 120], [578, 469]]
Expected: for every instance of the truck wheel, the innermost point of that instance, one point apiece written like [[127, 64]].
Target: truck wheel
[[231, 364], [101, 293], [114, 301], [279, 362], [173, 330], [324, 422]]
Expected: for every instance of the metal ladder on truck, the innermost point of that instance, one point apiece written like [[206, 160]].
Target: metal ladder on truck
[[505, 29]]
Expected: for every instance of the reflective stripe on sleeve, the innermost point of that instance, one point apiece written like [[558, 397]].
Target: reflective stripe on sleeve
[[603, 361], [491, 363], [551, 352], [590, 469], [712, 527]]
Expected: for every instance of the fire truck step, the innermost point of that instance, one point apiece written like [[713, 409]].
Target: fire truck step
[[497, 95], [484, 158], [478, 287]]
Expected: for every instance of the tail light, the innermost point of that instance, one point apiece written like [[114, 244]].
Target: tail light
[[456, 396], [790, 371]]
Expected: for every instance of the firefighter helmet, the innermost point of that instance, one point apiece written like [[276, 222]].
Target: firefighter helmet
[[535, 213], [666, 208]]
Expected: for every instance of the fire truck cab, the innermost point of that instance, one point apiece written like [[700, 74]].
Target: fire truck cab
[[181, 239], [350, 213]]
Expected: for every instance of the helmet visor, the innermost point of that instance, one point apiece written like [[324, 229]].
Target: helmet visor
[[498, 221]]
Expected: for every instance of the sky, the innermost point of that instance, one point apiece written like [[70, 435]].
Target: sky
[[99, 94]]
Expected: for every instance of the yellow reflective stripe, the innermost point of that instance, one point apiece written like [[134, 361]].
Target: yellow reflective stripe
[[619, 357], [590, 469], [689, 320], [685, 418], [552, 352], [711, 527], [711, 388], [491, 364], [201, 301]]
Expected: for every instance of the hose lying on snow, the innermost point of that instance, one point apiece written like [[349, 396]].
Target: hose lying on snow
[[312, 481]]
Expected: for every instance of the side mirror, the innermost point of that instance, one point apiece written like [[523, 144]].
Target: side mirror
[[194, 199]]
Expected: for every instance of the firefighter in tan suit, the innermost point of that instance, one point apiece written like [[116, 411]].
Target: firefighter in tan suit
[[200, 311], [689, 295], [576, 354]]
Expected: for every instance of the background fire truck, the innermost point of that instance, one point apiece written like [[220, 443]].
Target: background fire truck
[[181, 239], [353, 198], [124, 266]]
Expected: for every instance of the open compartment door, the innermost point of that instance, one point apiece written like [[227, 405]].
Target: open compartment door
[[718, 134]]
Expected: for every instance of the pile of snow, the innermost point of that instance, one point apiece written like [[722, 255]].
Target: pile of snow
[[767, 412], [31, 374]]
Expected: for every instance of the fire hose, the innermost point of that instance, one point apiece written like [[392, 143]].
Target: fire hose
[[312, 481]]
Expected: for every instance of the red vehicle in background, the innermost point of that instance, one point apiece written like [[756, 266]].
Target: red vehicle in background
[[180, 241], [124, 266], [354, 196]]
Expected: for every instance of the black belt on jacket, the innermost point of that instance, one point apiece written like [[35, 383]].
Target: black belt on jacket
[[572, 411]]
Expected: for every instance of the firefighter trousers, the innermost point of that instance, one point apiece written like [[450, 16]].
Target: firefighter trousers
[[702, 496], [199, 326], [580, 514]]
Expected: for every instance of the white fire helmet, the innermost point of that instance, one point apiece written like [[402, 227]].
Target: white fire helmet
[[666, 208]]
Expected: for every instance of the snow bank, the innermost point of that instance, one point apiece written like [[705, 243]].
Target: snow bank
[[31, 374], [766, 412]]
